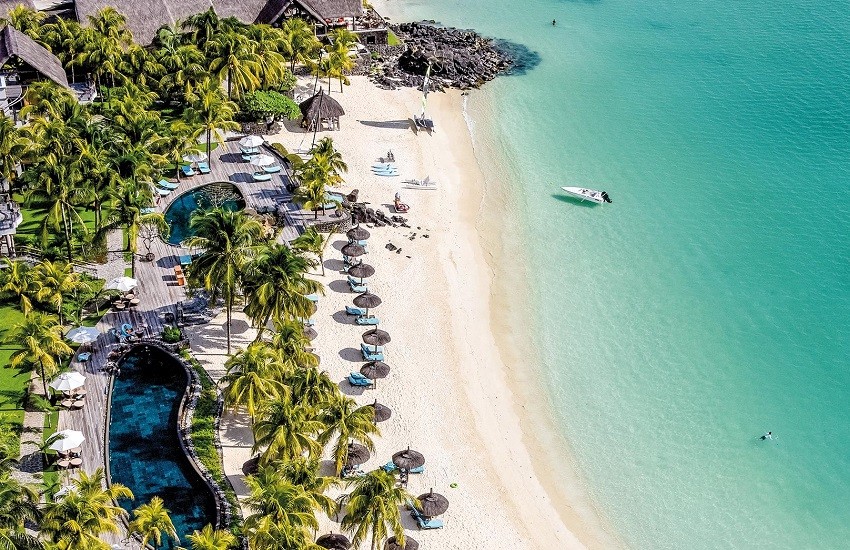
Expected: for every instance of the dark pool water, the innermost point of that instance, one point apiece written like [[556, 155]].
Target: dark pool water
[[145, 453], [180, 211]]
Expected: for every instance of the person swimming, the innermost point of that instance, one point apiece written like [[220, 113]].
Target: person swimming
[[768, 435], [553, 22]]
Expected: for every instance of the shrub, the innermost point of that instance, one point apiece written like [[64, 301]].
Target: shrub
[[171, 335], [262, 104]]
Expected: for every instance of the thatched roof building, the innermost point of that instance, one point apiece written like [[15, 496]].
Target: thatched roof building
[[320, 108], [33, 58]]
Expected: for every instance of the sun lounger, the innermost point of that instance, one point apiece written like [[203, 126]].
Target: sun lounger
[[354, 310], [261, 176], [308, 322], [187, 170], [355, 281], [370, 320], [426, 523], [185, 259], [83, 357], [203, 168], [364, 243], [358, 288], [370, 356], [390, 467], [163, 192], [273, 169], [352, 472], [357, 379], [149, 210], [312, 297], [248, 157], [371, 349], [165, 184]]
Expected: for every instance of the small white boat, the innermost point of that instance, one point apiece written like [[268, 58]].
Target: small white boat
[[384, 166], [427, 183], [591, 195]]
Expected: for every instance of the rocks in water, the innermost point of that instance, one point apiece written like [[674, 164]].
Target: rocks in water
[[459, 58]]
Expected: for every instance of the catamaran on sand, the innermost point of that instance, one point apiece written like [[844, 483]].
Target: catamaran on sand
[[591, 195]]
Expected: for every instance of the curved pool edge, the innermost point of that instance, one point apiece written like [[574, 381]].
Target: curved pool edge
[[194, 189], [191, 391]]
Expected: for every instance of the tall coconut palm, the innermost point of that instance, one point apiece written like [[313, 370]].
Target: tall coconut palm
[[253, 377], [325, 152], [39, 345], [26, 20], [312, 195], [184, 64], [345, 422], [151, 521], [18, 505], [212, 539], [373, 507], [203, 27], [286, 430], [235, 61], [311, 387], [276, 286], [12, 147], [87, 511], [301, 42], [17, 279], [292, 345], [313, 242], [304, 472], [55, 280], [212, 113], [228, 240], [280, 509]]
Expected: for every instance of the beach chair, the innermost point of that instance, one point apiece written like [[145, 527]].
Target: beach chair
[[362, 243], [370, 320], [165, 184], [354, 310], [352, 472], [355, 281], [261, 176], [203, 168], [358, 288], [307, 322], [357, 379], [185, 259], [371, 349], [426, 523], [312, 297], [149, 210], [390, 467], [84, 356], [372, 356], [273, 169], [187, 170], [163, 192]]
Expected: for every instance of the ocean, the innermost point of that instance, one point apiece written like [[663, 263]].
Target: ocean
[[710, 303]]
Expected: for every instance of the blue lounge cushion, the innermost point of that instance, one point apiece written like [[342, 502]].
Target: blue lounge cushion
[[273, 169], [83, 357], [312, 297], [371, 349], [370, 320], [262, 176], [163, 192], [357, 379], [354, 310], [187, 170], [358, 288], [149, 210], [203, 168], [369, 356], [165, 184]]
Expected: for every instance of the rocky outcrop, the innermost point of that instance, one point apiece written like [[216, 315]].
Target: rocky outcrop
[[459, 58]]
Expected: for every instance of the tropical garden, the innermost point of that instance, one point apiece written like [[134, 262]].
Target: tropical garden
[[83, 172]]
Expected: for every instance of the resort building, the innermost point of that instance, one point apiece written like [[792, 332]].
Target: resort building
[[23, 61]]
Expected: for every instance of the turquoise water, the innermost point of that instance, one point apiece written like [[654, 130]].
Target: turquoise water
[[179, 213], [711, 302], [144, 449]]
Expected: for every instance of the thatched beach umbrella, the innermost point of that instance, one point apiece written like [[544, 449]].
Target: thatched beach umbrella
[[382, 412], [433, 504], [352, 250], [367, 300], [375, 369], [310, 333], [408, 459], [357, 233], [376, 337], [361, 270], [251, 466], [334, 541], [356, 455], [320, 107], [409, 544]]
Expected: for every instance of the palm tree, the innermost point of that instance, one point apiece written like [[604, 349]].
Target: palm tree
[[55, 280], [329, 156], [12, 147], [183, 64], [311, 387], [234, 59], [276, 287], [281, 509], [212, 539], [292, 345], [18, 505], [204, 27], [340, 61], [228, 241], [312, 195], [76, 520], [129, 200], [286, 430], [301, 42], [151, 522], [346, 422], [313, 242], [212, 113], [17, 278], [26, 20], [253, 377], [373, 506], [304, 472], [182, 140], [40, 344]]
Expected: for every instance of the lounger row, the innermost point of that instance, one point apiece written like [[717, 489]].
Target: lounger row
[[188, 171]]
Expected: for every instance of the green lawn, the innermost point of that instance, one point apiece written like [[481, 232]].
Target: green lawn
[[13, 382], [392, 39]]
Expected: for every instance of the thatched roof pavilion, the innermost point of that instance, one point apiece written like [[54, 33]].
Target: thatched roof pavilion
[[321, 108], [17, 45]]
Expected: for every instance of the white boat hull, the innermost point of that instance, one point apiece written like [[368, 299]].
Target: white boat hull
[[598, 197]]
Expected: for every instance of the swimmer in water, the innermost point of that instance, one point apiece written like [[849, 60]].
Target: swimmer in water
[[768, 435], [553, 22]]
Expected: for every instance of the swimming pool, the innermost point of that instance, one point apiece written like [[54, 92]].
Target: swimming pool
[[180, 211], [144, 450]]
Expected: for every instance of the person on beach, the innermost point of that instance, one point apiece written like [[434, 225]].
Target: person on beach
[[768, 435]]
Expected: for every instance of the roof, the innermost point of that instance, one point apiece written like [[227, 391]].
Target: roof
[[328, 107], [145, 17], [14, 43]]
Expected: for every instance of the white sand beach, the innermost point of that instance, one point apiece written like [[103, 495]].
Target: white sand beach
[[449, 388]]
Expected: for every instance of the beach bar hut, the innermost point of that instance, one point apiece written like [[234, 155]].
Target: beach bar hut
[[321, 109]]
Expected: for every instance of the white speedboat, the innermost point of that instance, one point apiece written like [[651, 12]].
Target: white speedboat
[[427, 183], [591, 195]]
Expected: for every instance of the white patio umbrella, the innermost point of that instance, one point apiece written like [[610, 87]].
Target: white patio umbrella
[[83, 335], [200, 156], [68, 381], [124, 284], [251, 141], [67, 440], [263, 160]]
